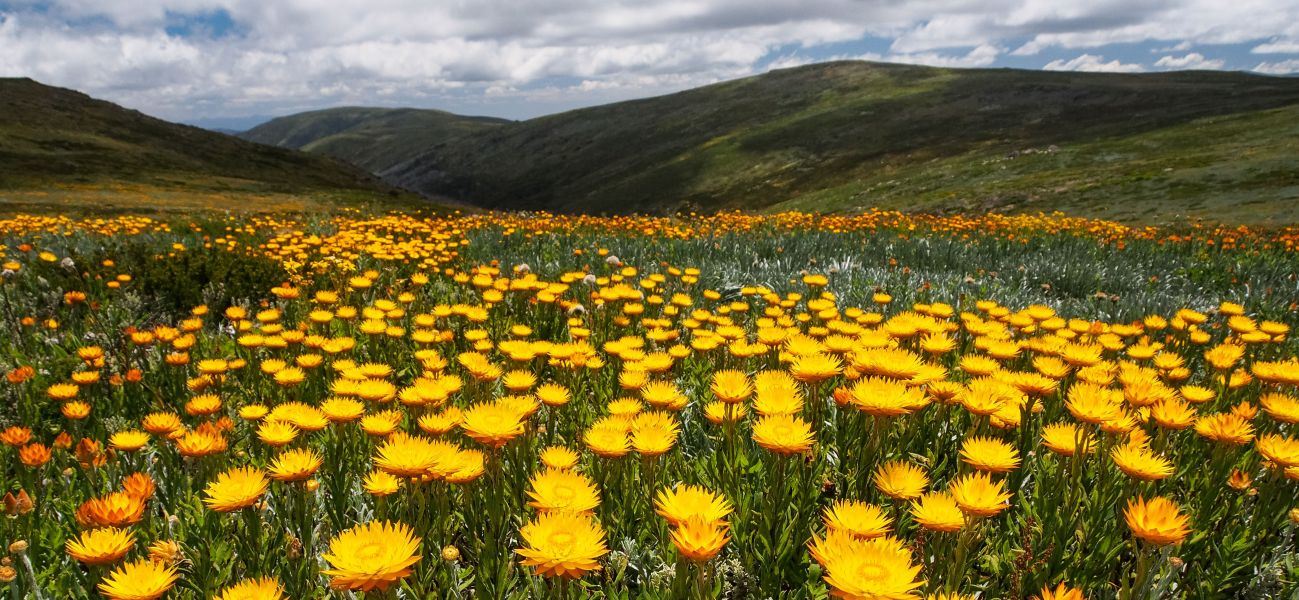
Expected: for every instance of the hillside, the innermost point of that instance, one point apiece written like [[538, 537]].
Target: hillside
[[849, 135], [373, 138], [57, 143]]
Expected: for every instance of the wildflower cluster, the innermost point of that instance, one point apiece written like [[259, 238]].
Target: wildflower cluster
[[395, 418]]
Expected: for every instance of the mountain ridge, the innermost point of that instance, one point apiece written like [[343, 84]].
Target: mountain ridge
[[53, 137], [785, 137]]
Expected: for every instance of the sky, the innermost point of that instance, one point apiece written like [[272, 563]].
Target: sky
[[235, 62]]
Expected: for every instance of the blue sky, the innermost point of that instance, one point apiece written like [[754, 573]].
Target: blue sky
[[232, 62]]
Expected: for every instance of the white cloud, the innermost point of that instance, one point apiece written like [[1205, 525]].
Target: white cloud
[[287, 54], [1192, 61], [1284, 67], [1277, 47], [1092, 62], [980, 56], [1182, 46]]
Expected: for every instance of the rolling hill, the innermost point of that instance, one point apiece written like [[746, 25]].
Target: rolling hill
[[373, 138], [850, 135], [60, 147]]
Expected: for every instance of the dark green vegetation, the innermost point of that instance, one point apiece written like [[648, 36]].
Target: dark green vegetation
[[848, 135], [377, 139], [62, 142]]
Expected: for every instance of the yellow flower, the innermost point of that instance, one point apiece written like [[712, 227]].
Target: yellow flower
[[857, 518], [653, 434], [1224, 356], [408, 455], [1141, 463], [1281, 450], [1062, 439], [101, 546], [203, 405], [518, 381], [977, 494], [275, 432], [139, 580], [115, 509], [253, 412], [290, 376], [813, 368], [607, 440], [783, 434], [1156, 522], [1282, 408], [129, 440], [381, 483], [562, 544], [900, 480], [62, 392], [469, 466], [265, 588], [440, 422], [1061, 592], [1173, 414], [559, 457], [731, 386], [886, 397], [492, 423], [990, 454], [938, 511], [1225, 428], [342, 410], [235, 489], [699, 539], [871, 569], [295, 465], [986, 396], [166, 552], [719, 412], [1091, 403], [562, 490], [372, 556], [552, 394], [688, 501]]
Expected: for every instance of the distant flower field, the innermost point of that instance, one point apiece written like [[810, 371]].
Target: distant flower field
[[881, 406]]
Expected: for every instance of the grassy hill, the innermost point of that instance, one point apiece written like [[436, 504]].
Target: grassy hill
[[849, 135], [61, 149], [376, 139]]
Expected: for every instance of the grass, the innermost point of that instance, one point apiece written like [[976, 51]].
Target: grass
[[1243, 176], [416, 362], [80, 150], [848, 135]]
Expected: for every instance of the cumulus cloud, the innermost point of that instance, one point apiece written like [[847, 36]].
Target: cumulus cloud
[[186, 58], [1092, 62], [1284, 67], [1277, 47], [1193, 61]]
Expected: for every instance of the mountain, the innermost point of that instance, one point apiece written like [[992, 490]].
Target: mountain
[[376, 139], [849, 135], [58, 139], [231, 125]]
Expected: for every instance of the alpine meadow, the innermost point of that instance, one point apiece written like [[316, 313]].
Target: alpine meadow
[[713, 301]]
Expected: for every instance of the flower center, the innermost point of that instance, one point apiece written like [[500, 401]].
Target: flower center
[[560, 540], [369, 551], [872, 572]]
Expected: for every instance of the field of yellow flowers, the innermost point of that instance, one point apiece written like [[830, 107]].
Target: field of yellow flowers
[[878, 406]]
